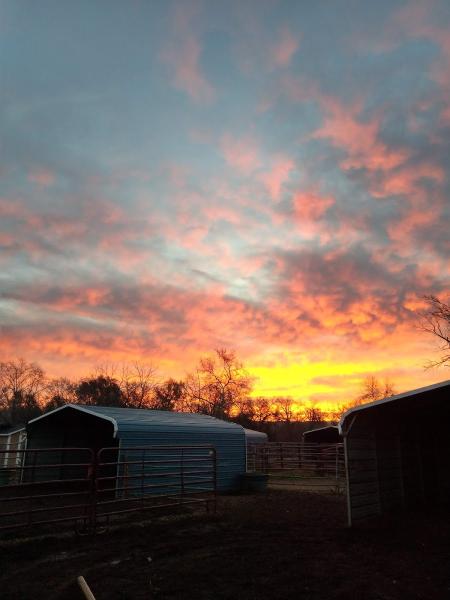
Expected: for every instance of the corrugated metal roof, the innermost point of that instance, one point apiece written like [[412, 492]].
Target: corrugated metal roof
[[136, 416], [255, 436], [124, 418]]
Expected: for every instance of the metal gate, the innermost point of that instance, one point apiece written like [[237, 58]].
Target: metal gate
[[55, 485], [310, 467]]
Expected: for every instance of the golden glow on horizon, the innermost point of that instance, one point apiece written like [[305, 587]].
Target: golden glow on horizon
[[328, 383], [297, 380]]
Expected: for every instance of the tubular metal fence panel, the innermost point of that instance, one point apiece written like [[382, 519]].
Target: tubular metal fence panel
[[154, 477], [305, 466], [54, 485], [42, 489]]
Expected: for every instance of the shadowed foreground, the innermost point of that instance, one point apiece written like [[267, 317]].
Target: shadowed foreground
[[285, 544]]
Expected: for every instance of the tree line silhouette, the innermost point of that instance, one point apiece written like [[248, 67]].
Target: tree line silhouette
[[219, 386]]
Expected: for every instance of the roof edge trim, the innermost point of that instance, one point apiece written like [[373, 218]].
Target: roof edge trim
[[13, 431], [81, 409], [355, 409], [321, 428]]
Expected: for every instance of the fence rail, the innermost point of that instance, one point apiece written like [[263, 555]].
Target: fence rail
[[55, 485], [305, 466]]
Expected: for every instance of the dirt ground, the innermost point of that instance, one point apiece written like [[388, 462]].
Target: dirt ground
[[282, 544]]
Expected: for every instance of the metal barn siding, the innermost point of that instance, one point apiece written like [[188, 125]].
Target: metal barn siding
[[134, 428], [397, 452], [12, 441]]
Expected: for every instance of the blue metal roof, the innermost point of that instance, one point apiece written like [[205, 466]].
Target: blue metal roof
[[255, 437], [129, 417]]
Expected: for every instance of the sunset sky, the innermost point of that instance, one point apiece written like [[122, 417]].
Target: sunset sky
[[267, 176]]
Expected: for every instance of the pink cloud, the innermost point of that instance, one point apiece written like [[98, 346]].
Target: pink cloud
[[414, 20], [416, 215], [275, 178], [11, 208], [403, 181], [225, 213], [343, 128], [240, 153], [42, 177], [309, 206], [284, 49], [445, 116], [182, 53]]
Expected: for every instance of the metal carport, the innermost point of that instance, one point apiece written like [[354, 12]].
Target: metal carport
[[397, 452]]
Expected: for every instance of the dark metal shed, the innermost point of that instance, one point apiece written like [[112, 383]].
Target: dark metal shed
[[397, 452], [96, 427], [323, 435]]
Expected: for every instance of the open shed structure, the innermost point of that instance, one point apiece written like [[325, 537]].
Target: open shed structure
[[98, 427], [397, 452], [322, 435]]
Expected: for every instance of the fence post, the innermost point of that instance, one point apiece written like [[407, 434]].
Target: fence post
[[143, 476], [93, 485], [337, 461], [33, 465], [182, 476], [214, 451], [33, 473]]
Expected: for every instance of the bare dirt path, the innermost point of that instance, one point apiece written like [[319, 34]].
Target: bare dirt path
[[284, 544]]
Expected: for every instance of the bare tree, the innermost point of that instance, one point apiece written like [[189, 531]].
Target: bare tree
[[284, 408], [99, 391], [313, 414], [21, 384], [169, 395], [138, 383], [262, 409], [218, 384], [334, 415], [436, 320], [58, 392], [373, 389], [243, 412]]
